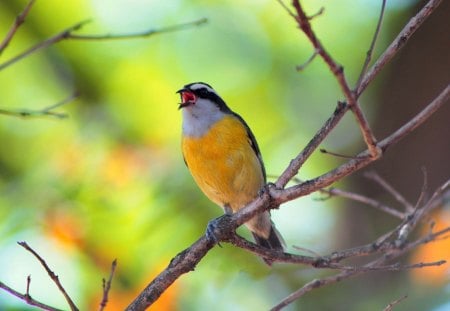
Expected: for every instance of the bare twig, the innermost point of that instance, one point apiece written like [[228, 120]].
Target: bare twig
[[363, 199], [338, 71], [391, 305], [28, 285], [52, 275], [375, 265], [323, 132], [423, 192], [44, 44], [47, 111], [438, 102], [69, 34], [107, 286], [372, 46], [27, 298], [398, 43], [188, 259], [308, 61], [143, 34], [386, 186], [335, 154], [20, 19], [361, 160]]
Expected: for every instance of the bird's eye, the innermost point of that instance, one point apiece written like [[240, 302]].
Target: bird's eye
[[203, 92]]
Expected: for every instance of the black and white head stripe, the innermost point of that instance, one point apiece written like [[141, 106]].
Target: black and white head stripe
[[196, 86], [204, 90]]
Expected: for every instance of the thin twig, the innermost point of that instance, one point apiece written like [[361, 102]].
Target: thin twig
[[386, 186], [68, 34], [20, 19], [391, 305], [372, 46], [423, 192], [284, 6], [143, 34], [52, 275], [47, 111], [398, 43], [317, 283], [338, 71], [334, 154], [419, 119], [27, 293], [27, 298], [320, 135], [308, 61], [188, 259], [375, 265], [44, 44], [107, 286], [362, 160], [363, 199]]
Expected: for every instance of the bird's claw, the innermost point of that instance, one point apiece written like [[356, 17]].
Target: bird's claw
[[214, 229]]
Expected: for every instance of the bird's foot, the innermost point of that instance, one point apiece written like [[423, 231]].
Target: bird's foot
[[216, 229]]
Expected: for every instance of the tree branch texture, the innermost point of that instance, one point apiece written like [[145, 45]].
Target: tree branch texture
[[276, 194], [382, 254]]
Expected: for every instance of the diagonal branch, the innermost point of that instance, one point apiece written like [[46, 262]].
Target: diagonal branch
[[107, 286], [27, 298], [390, 189], [362, 159], [398, 43], [68, 34], [47, 111], [188, 259], [338, 71], [143, 34], [20, 19], [299, 160], [372, 46], [52, 275]]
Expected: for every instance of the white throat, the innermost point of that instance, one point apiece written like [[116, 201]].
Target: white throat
[[199, 117]]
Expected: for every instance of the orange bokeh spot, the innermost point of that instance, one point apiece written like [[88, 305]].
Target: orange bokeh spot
[[434, 251], [119, 299]]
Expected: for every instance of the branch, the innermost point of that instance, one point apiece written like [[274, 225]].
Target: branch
[[363, 199], [52, 275], [398, 43], [273, 195], [338, 71], [47, 111], [20, 19], [323, 132], [395, 302], [391, 190], [372, 46], [27, 298], [69, 34], [362, 159], [143, 34], [107, 286]]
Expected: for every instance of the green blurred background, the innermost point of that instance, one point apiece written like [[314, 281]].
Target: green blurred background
[[109, 181]]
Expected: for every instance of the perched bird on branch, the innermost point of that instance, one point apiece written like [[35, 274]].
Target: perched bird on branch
[[224, 159]]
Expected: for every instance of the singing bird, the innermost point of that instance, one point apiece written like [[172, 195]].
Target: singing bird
[[223, 157]]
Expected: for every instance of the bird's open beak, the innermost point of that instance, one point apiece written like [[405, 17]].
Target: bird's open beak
[[187, 98]]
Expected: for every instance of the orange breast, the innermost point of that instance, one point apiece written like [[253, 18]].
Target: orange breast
[[223, 163]]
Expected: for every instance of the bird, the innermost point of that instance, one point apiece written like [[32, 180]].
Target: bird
[[224, 159]]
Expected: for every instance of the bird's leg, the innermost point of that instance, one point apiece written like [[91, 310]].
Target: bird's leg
[[266, 190], [215, 228]]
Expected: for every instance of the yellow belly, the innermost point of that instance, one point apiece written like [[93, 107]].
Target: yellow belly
[[223, 164]]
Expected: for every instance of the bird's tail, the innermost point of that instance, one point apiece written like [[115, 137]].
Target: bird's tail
[[274, 241]]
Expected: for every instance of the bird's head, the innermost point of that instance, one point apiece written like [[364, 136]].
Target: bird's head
[[201, 96]]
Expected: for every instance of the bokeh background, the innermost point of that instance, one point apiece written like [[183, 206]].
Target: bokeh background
[[109, 181]]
